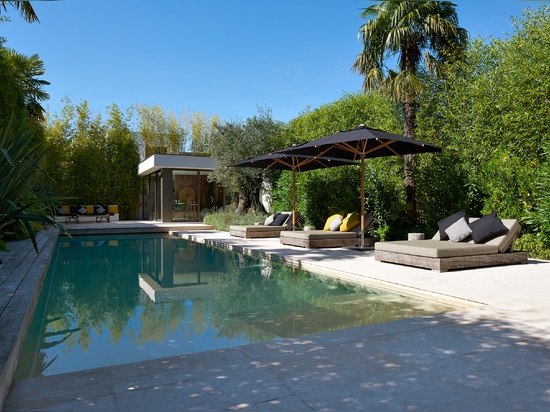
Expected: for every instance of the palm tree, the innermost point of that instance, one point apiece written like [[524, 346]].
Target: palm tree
[[415, 32], [24, 8], [26, 70]]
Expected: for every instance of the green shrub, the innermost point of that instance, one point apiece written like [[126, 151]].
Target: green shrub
[[222, 220], [539, 219], [535, 245]]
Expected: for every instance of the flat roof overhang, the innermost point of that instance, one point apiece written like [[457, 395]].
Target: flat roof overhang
[[183, 162]]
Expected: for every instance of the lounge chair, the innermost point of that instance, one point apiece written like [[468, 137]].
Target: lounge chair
[[443, 255], [271, 227], [311, 239]]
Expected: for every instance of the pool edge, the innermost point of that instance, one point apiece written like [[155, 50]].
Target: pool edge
[[24, 302]]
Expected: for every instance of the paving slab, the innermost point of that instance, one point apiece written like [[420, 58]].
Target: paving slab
[[490, 354]]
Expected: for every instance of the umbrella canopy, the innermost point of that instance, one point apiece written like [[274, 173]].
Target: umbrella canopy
[[282, 160], [359, 144]]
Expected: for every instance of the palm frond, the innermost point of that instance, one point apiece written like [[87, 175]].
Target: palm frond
[[24, 200]]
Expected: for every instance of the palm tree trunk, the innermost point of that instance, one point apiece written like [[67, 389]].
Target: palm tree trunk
[[409, 111]]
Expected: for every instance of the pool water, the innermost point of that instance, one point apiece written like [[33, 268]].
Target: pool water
[[111, 300]]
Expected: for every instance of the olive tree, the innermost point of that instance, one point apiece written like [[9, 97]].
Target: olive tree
[[235, 141]]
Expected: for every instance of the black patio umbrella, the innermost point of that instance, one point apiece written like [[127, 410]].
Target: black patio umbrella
[[359, 144], [281, 160]]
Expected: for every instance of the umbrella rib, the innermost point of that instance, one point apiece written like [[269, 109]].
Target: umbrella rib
[[385, 144], [343, 146], [300, 163], [279, 160]]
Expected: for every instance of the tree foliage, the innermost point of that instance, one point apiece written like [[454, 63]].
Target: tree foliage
[[28, 70], [21, 93], [24, 8], [202, 128], [415, 32], [321, 193], [494, 111], [93, 161], [235, 141], [539, 217], [123, 159], [159, 131], [12, 96]]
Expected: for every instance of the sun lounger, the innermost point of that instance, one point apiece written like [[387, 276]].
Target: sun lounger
[[263, 230], [311, 239], [443, 255]]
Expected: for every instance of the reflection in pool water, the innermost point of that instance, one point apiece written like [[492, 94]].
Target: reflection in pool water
[[119, 299]]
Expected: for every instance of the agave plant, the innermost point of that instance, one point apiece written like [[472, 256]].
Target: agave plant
[[25, 202]]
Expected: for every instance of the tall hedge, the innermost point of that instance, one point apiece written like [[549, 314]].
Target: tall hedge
[[92, 160], [494, 112]]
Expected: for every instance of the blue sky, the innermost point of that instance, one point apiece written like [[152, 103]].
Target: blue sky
[[218, 57]]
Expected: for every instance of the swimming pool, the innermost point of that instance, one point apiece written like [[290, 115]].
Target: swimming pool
[[110, 300]]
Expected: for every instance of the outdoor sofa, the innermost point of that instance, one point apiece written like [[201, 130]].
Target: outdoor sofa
[[443, 255], [82, 213], [327, 238], [271, 227]]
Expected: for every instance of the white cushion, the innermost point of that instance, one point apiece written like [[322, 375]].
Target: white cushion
[[458, 231], [335, 223], [82, 210]]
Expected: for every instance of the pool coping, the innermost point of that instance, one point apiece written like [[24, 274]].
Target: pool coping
[[21, 277]]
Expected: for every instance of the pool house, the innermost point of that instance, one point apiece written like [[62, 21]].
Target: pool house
[[176, 188]]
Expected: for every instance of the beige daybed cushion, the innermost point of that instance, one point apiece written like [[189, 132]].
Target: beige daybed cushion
[[445, 248], [319, 238], [257, 228], [435, 248], [318, 234]]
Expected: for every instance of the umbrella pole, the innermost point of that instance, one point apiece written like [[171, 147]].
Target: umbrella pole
[[293, 198], [362, 201]]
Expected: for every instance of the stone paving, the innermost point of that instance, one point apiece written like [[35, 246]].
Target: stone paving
[[490, 354]]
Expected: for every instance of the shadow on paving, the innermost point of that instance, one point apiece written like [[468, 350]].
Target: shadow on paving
[[461, 360]]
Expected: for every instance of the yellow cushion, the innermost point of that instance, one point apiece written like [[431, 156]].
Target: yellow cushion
[[330, 219], [349, 222], [112, 209], [89, 209]]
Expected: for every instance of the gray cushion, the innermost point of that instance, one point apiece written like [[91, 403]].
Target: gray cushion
[[443, 224], [458, 231]]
